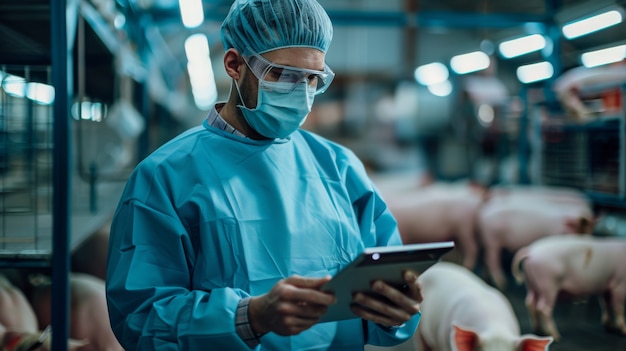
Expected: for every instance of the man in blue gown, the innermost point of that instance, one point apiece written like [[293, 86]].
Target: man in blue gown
[[224, 235]]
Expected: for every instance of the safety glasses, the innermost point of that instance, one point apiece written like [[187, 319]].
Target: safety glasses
[[288, 77]]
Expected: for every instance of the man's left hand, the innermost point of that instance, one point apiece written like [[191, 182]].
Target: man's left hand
[[389, 306]]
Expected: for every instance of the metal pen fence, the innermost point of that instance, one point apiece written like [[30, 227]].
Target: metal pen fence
[[26, 167]]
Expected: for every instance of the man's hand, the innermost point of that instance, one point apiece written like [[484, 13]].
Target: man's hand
[[294, 304], [393, 306]]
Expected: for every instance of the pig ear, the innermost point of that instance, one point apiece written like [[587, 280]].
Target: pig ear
[[533, 343], [463, 339]]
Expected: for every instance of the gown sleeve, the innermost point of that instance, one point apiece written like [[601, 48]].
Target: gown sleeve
[[149, 272]]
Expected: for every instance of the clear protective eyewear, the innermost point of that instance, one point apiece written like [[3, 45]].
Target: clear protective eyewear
[[289, 77]]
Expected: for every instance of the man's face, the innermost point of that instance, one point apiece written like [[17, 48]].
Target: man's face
[[305, 58]]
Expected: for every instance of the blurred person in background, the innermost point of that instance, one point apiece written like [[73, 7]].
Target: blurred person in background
[[225, 235]]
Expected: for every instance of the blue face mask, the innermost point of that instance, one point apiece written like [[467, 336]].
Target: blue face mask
[[278, 114]]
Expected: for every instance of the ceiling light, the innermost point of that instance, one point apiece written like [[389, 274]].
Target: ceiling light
[[591, 24], [200, 70], [431, 73], [604, 56], [40, 93], [535, 72], [522, 46], [197, 47], [471, 62], [191, 12], [14, 86], [202, 80], [441, 89]]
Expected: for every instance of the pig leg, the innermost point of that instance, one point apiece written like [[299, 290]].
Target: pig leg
[[545, 307], [543, 285], [531, 302], [613, 310], [469, 247], [493, 264], [607, 315], [546, 299]]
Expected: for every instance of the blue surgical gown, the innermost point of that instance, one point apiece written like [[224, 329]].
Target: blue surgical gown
[[210, 218]]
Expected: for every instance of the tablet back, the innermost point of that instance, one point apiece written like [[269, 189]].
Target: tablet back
[[385, 263]]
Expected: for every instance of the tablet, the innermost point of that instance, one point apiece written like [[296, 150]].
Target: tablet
[[385, 263]]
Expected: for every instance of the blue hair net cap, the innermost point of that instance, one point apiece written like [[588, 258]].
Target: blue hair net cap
[[259, 26]]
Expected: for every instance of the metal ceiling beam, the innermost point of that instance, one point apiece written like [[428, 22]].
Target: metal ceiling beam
[[394, 19], [435, 19]]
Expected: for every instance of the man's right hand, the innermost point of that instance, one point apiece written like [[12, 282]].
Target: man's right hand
[[293, 305]]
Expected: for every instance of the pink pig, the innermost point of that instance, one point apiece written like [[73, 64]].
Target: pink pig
[[576, 265], [89, 319], [461, 312], [439, 212], [511, 221], [18, 323]]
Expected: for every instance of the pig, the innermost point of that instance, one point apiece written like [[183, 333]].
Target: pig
[[398, 182], [541, 193], [512, 221], [461, 312], [579, 266], [89, 318], [440, 212], [18, 322]]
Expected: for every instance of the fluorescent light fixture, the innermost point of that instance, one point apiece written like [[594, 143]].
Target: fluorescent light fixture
[[471, 62], [88, 110], [14, 86], [97, 111], [591, 24], [191, 12], [200, 69], [535, 72], [522, 46], [441, 89], [431, 73], [82, 110], [202, 79], [40, 93], [197, 47], [204, 98], [604, 56]]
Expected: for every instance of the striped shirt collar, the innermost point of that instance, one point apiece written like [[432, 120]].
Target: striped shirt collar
[[216, 121]]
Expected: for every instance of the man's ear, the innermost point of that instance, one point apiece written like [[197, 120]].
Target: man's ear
[[233, 63]]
